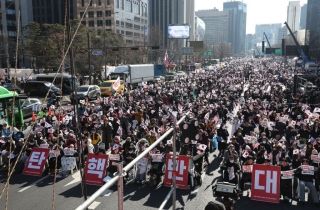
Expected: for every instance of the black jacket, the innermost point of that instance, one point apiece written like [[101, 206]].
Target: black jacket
[[304, 177]]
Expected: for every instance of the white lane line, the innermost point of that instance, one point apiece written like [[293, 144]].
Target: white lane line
[[94, 205], [34, 183], [76, 178]]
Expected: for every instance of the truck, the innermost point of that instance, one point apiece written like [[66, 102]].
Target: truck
[[137, 73]]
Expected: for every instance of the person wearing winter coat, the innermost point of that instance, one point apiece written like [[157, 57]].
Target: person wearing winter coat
[[285, 184], [231, 172]]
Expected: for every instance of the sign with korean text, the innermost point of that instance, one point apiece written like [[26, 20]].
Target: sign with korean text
[[287, 174], [181, 171], [36, 162], [247, 168], [306, 169], [115, 157], [156, 158], [315, 158], [96, 168], [265, 183]]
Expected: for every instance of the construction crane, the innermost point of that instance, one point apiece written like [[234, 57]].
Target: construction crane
[[268, 43], [300, 50]]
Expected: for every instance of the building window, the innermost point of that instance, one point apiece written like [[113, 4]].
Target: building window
[[108, 22], [135, 8], [91, 3], [117, 31], [99, 13], [91, 14], [121, 4], [81, 14], [108, 29], [122, 24], [117, 22], [13, 12], [84, 23], [116, 3], [122, 32], [127, 5], [99, 32], [12, 33], [136, 27], [108, 13], [99, 23], [99, 2], [128, 25], [128, 33], [11, 23], [82, 3], [91, 23], [108, 2]]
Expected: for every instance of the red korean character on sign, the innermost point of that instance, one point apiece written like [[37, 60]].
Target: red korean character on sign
[[36, 162], [181, 171], [265, 183], [96, 168]]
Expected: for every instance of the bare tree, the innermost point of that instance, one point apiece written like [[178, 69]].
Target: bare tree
[[221, 50]]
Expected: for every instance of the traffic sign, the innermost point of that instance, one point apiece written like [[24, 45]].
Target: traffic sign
[[97, 52], [278, 51], [208, 53], [187, 50]]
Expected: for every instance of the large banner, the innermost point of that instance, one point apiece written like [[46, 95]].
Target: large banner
[[181, 171], [36, 161], [95, 169], [265, 183]]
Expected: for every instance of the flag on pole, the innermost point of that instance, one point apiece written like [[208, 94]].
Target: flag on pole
[[166, 59]]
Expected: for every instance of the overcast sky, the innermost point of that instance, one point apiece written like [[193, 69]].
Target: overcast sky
[[258, 11]]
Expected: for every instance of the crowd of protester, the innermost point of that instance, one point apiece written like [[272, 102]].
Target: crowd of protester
[[273, 126]]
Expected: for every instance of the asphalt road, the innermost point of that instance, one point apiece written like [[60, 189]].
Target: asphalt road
[[27, 192]]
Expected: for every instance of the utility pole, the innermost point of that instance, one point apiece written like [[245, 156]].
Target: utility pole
[[89, 57], [7, 56]]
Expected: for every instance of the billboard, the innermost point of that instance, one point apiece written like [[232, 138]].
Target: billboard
[[179, 32]]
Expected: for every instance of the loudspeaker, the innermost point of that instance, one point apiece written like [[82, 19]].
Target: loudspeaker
[[225, 189]]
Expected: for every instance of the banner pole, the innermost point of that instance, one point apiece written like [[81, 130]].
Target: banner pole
[[120, 187]]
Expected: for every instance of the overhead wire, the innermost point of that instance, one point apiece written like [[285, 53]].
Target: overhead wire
[[35, 122], [13, 119]]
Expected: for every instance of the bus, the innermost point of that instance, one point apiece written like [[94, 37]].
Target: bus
[[66, 78], [6, 101]]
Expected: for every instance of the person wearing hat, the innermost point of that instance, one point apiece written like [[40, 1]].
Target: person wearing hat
[[306, 180], [235, 144], [285, 184], [230, 152], [231, 172], [246, 172]]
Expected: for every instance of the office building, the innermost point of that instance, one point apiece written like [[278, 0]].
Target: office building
[[52, 11], [126, 17], [313, 28], [293, 15], [200, 29], [282, 33], [217, 26], [303, 17], [167, 12], [249, 43], [271, 30], [238, 24]]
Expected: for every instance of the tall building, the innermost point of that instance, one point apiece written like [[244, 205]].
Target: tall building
[[293, 15], [217, 26], [303, 17], [282, 33], [271, 30], [249, 42], [313, 28], [167, 12], [200, 29], [52, 11], [238, 24], [126, 17]]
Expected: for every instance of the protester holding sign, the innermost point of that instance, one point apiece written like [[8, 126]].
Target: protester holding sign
[[286, 180], [246, 172], [305, 174]]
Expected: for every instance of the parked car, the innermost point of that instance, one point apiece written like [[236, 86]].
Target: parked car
[[86, 92], [27, 106], [12, 87], [180, 74], [40, 88], [106, 87], [170, 76], [158, 79]]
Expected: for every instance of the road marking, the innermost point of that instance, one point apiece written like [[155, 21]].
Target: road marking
[[94, 205], [107, 193], [76, 178], [34, 183]]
